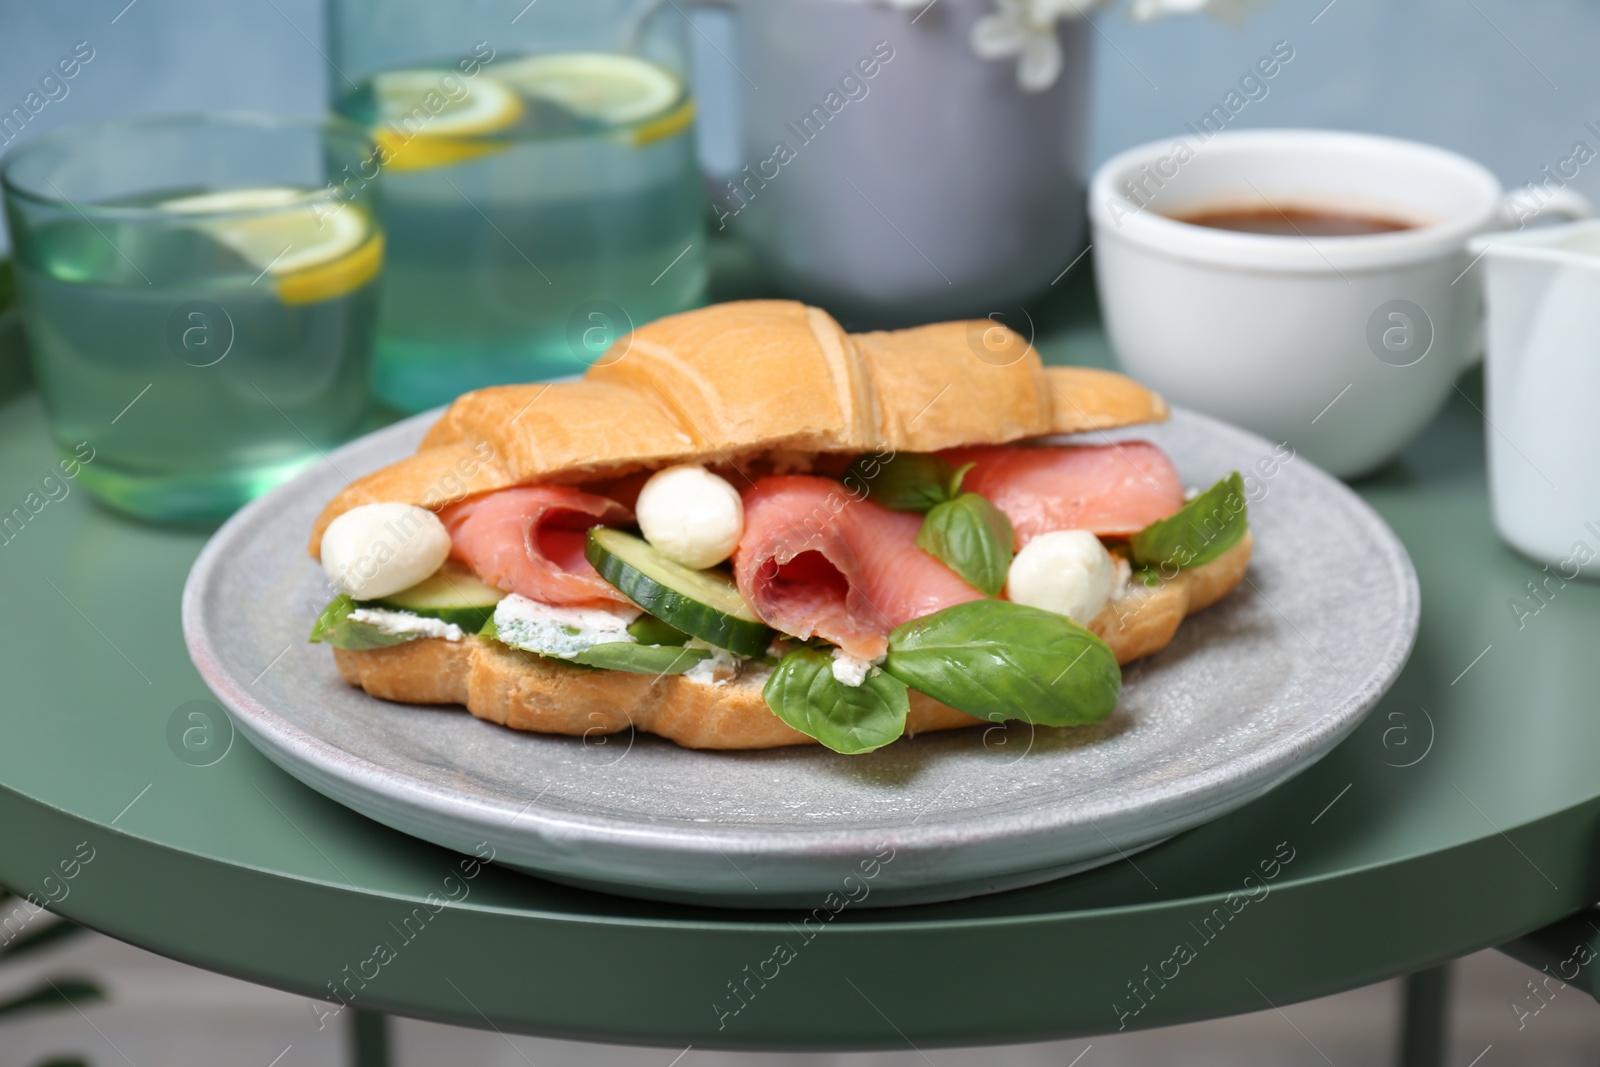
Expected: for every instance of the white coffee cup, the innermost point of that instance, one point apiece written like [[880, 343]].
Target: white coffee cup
[[1540, 385], [1345, 347]]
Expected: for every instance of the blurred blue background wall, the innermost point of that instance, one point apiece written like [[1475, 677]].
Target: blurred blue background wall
[[1509, 83]]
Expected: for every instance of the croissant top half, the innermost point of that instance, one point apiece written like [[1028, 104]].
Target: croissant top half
[[734, 382]]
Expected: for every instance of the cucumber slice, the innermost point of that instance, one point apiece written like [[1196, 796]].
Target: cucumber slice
[[704, 604], [452, 593]]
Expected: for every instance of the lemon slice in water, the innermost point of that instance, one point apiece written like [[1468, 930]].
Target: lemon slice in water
[[422, 126], [311, 254], [606, 87]]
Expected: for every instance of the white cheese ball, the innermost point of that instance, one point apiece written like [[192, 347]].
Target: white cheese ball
[[1068, 572], [378, 549], [691, 515]]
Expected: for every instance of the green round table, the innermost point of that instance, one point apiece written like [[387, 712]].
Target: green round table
[[1460, 815]]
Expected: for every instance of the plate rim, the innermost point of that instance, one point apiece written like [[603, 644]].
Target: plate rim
[[564, 828]]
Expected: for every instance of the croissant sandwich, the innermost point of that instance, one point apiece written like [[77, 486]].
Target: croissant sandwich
[[746, 528]]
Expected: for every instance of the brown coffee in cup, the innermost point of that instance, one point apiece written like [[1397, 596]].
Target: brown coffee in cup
[[1294, 221]]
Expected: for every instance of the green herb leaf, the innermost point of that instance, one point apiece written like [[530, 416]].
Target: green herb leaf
[[998, 660], [1204, 529], [973, 538], [850, 719], [335, 627], [909, 481], [490, 631], [649, 630], [957, 478], [641, 659]]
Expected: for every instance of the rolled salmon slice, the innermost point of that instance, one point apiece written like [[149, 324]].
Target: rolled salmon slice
[[815, 562], [530, 541], [1110, 490]]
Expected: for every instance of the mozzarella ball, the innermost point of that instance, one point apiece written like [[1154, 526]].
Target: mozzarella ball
[[379, 549], [1068, 572], [691, 515]]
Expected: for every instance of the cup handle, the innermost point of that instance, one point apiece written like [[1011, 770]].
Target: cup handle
[[719, 144], [1524, 205]]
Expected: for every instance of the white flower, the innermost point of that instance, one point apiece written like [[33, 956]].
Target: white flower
[[1226, 10], [1027, 29]]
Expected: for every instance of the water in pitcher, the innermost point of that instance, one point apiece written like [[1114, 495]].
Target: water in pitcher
[[536, 207]]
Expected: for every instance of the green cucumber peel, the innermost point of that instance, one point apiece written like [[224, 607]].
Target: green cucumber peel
[[848, 719], [702, 603], [997, 660]]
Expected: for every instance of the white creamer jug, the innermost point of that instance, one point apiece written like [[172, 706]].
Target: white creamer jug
[[1542, 380]]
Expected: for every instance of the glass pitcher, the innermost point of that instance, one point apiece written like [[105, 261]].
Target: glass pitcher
[[540, 191]]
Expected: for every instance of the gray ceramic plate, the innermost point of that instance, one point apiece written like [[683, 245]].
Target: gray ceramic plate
[[1249, 693]]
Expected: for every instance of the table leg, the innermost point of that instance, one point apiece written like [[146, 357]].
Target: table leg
[[1425, 1024], [369, 1039], [1564, 950]]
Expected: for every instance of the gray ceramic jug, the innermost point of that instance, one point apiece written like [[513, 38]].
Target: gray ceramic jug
[[888, 173]]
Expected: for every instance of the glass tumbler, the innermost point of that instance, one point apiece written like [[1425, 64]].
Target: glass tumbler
[[540, 190], [199, 294]]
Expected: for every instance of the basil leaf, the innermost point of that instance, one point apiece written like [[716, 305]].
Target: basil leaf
[[850, 719], [957, 478], [641, 659], [973, 538], [911, 481], [1204, 529], [335, 627], [998, 660], [649, 630]]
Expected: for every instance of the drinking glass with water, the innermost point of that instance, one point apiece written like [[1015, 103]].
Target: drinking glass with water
[[199, 304], [540, 191]]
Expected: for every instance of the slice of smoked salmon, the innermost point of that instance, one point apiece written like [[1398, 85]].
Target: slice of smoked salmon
[[530, 541], [813, 561], [1110, 490]]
